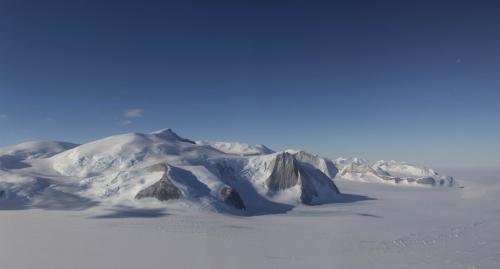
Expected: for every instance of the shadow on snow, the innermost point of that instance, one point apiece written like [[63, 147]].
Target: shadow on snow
[[130, 212]]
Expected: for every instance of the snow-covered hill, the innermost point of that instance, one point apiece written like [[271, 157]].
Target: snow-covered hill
[[138, 169], [389, 172], [12, 157]]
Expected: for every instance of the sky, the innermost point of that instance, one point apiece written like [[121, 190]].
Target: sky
[[415, 81]]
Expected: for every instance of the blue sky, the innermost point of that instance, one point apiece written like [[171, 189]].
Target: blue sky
[[400, 80]]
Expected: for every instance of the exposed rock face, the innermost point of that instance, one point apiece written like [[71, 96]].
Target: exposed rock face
[[288, 172], [170, 135], [163, 189], [231, 197], [285, 173], [426, 181], [395, 179], [411, 180], [447, 180], [324, 165], [159, 167]]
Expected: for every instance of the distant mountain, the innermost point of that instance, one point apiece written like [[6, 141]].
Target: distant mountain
[[389, 172]]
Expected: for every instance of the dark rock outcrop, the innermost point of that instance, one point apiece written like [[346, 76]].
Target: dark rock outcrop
[[447, 180], [169, 134], [426, 181], [163, 189], [285, 173], [231, 197], [288, 172], [324, 165]]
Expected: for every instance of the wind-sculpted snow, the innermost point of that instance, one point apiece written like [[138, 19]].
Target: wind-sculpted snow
[[390, 172]]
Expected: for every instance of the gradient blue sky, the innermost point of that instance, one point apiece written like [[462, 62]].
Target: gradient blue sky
[[400, 80]]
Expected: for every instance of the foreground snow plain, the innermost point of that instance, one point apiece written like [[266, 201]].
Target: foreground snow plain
[[391, 227]]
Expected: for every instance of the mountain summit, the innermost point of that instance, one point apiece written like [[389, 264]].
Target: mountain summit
[[169, 134]]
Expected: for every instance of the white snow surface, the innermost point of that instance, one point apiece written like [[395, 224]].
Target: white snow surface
[[36, 149], [383, 226], [12, 157], [237, 148]]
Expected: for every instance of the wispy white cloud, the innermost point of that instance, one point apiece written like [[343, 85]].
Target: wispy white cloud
[[133, 113], [130, 114], [126, 122], [3, 116]]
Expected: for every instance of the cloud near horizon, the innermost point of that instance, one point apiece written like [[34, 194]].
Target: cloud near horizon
[[130, 114], [133, 113]]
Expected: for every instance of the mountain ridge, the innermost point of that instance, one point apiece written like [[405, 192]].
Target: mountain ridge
[[218, 176]]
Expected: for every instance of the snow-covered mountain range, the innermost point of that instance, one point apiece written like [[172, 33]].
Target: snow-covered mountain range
[[138, 169], [390, 172]]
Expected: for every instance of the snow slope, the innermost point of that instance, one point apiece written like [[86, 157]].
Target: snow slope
[[237, 148], [36, 149], [12, 157]]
